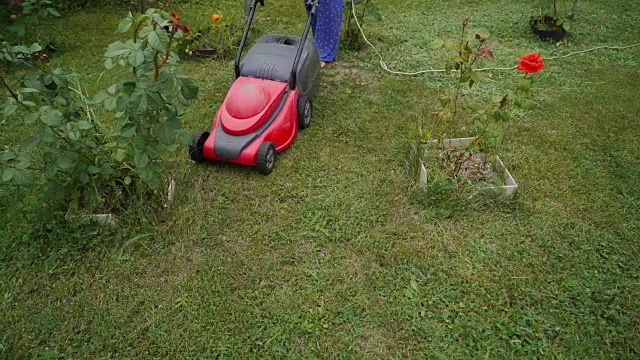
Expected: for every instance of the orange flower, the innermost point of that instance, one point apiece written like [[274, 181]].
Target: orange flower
[[215, 17]]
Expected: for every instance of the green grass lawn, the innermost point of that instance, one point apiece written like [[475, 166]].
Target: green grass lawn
[[337, 254]]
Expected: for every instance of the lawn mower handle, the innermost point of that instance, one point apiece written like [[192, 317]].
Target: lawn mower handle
[[312, 14], [252, 12]]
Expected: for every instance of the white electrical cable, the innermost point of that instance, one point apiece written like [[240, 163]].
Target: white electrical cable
[[593, 49], [387, 69]]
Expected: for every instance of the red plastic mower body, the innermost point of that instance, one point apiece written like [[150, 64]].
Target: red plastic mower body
[[267, 104], [254, 111]]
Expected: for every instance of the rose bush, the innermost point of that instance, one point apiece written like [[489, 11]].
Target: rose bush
[[85, 161], [461, 114]]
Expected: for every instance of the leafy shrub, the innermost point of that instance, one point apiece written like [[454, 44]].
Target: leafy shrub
[[85, 161], [146, 102], [474, 161], [486, 122], [65, 140], [28, 20]]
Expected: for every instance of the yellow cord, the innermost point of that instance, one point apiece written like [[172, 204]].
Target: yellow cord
[[387, 69]]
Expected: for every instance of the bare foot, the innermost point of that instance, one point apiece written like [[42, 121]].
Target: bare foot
[[322, 64]]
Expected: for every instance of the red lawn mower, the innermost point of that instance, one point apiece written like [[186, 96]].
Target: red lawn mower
[[268, 102]]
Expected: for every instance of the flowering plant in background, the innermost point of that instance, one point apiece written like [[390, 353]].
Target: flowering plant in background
[[218, 36], [462, 114]]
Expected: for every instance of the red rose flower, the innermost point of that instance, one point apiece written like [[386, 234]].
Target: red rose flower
[[175, 19], [531, 63]]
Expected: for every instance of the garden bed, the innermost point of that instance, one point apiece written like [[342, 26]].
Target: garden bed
[[490, 174]]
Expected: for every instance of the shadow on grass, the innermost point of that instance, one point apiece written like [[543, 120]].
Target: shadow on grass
[[451, 201]]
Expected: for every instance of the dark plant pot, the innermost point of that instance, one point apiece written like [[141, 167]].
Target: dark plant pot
[[546, 28]]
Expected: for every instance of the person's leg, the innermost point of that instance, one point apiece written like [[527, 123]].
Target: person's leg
[[327, 29]]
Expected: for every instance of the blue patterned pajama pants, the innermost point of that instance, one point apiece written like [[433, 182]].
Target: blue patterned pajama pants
[[326, 28]]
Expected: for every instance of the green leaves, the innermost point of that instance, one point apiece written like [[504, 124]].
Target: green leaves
[[125, 24], [10, 109], [7, 155], [53, 12], [184, 138], [524, 84], [17, 176], [30, 142], [167, 131], [110, 103], [483, 33], [166, 134], [51, 169], [136, 57], [473, 78], [21, 49], [188, 90], [360, 10], [120, 154], [128, 131], [447, 68], [23, 162], [7, 174], [84, 125], [51, 117], [119, 48], [109, 64], [65, 162], [373, 10], [158, 40], [525, 103], [141, 159], [120, 53], [22, 177], [436, 44]]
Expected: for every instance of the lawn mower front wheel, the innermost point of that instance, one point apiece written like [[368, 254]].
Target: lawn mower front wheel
[[196, 148], [266, 158]]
